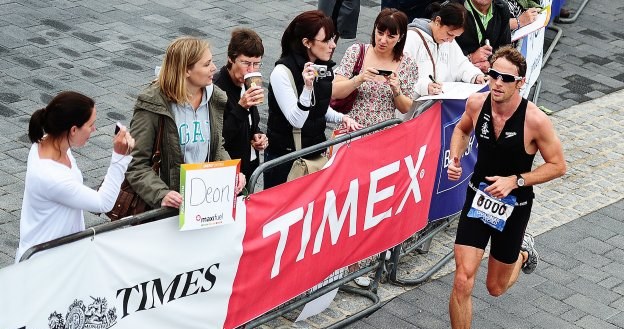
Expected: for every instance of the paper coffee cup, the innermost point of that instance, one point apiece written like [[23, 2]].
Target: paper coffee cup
[[253, 79]]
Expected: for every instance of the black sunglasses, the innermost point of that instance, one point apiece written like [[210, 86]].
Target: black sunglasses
[[506, 77]]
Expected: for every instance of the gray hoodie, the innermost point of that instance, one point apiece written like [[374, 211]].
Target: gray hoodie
[[422, 24]]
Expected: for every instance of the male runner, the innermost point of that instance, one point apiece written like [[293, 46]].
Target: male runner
[[510, 130]]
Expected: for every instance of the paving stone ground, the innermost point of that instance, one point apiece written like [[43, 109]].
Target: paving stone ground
[[108, 50]]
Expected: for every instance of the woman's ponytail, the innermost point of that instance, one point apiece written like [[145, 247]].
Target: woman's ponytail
[[35, 125]]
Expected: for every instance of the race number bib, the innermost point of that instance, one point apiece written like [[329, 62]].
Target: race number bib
[[490, 210]]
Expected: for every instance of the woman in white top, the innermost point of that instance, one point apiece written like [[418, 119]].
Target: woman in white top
[[54, 194], [445, 60]]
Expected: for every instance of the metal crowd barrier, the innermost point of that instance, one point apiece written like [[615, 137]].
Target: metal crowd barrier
[[339, 280], [576, 14], [344, 276], [558, 34], [538, 84], [421, 240], [148, 216], [416, 243], [314, 148]]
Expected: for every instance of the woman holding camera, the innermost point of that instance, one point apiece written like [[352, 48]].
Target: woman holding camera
[[54, 194], [387, 77], [307, 46]]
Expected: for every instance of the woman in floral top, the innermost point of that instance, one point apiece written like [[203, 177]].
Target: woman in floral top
[[379, 95]]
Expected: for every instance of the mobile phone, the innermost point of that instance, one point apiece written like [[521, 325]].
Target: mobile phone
[[117, 127], [385, 73]]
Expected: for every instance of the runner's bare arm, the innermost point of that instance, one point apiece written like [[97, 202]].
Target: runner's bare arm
[[549, 146], [461, 134], [465, 126]]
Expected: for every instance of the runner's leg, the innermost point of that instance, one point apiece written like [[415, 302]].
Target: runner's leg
[[501, 276], [467, 260]]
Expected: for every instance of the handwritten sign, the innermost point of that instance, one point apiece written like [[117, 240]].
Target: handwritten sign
[[208, 194]]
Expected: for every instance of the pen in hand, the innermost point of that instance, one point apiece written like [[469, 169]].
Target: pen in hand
[[438, 88]]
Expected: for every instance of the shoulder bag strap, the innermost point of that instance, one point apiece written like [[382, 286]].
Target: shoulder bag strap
[[156, 154], [296, 131], [428, 51], [360, 61]]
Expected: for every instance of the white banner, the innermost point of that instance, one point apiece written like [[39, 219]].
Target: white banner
[[146, 276], [531, 45]]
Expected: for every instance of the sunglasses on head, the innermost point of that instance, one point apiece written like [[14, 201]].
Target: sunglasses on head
[[506, 77]]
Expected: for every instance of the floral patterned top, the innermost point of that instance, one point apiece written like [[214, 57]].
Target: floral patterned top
[[375, 103]]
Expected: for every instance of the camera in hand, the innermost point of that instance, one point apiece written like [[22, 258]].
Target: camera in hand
[[117, 127], [320, 71]]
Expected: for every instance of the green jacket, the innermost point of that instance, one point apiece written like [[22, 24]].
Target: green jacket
[[150, 105]]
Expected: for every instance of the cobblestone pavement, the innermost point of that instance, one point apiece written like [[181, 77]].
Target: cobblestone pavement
[[108, 50]]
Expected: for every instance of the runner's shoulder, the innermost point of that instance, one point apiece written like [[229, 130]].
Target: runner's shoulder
[[474, 103]]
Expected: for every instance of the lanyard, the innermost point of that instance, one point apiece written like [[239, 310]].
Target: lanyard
[[475, 15]]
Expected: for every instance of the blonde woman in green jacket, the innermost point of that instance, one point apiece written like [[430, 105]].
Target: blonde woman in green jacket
[[192, 109]]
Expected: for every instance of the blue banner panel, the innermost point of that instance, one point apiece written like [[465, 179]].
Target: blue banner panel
[[448, 196]]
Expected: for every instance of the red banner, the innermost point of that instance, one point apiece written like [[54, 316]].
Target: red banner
[[375, 195]]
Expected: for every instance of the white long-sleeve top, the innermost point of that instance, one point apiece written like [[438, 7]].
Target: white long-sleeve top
[[55, 197], [451, 64], [285, 97]]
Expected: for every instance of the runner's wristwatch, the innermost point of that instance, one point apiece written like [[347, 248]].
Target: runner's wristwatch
[[519, 180]]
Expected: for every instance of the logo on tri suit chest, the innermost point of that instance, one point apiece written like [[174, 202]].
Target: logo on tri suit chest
[[485, 131], [509, 134]]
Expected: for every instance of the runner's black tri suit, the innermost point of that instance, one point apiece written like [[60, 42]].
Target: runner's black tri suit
[[502, 156]]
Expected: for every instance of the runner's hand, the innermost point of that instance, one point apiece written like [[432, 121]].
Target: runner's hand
[[501, 186], [454, 169]]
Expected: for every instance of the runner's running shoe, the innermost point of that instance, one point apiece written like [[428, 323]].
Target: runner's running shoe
[[528, 245]]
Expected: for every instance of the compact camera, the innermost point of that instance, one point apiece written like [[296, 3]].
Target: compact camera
[[320, 71]]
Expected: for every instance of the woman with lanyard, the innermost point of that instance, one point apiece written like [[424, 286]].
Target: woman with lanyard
[[487, 29]]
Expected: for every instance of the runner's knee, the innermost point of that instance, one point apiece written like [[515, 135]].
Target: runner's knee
[[463, 284], [495, 289]]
